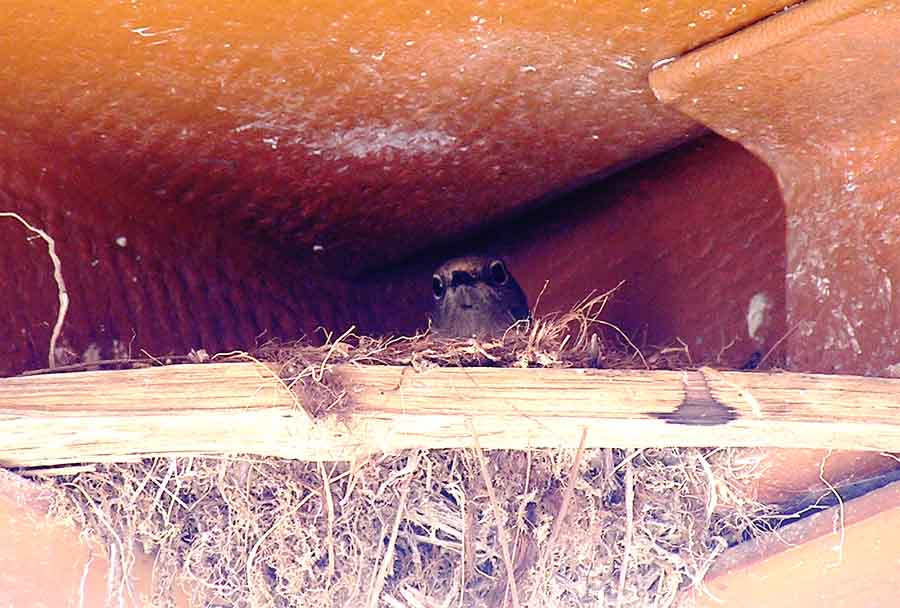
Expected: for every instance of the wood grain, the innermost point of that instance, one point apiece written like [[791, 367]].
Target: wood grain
[[220, 409]]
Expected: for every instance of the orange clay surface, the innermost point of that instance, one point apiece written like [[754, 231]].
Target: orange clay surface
[[843, 557], [45, 562], [815, 93], [372, 128]]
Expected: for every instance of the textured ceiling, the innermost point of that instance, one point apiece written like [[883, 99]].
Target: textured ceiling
[[354, 133]]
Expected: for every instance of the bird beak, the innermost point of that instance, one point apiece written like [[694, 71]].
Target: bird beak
[[463, 294]]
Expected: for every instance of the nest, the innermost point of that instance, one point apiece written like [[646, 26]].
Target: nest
[[574, 527]]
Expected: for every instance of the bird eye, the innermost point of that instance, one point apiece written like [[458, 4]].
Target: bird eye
[[498, 272], [437, 286]]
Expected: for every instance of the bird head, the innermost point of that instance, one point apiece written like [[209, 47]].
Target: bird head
[[476, 296]]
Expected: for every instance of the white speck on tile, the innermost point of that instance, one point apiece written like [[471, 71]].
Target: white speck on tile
[[627, 62], [851, 332], [757, 312], [662, 62], [361, 142]]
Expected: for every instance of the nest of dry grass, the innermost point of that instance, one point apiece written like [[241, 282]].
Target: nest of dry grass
[[578, 338], [601, 527]]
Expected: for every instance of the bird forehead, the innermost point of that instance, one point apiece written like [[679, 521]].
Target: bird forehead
[[472, 265]]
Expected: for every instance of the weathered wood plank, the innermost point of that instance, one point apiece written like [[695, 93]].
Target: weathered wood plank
[[241, 408]]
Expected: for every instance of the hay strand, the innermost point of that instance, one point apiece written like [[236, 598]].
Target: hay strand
[[62, 292], [499, 518], [388, 559], [629, 528]]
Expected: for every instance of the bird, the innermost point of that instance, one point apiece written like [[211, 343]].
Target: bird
[[476, 296]]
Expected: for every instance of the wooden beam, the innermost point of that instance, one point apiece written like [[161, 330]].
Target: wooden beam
[[242, 408]]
